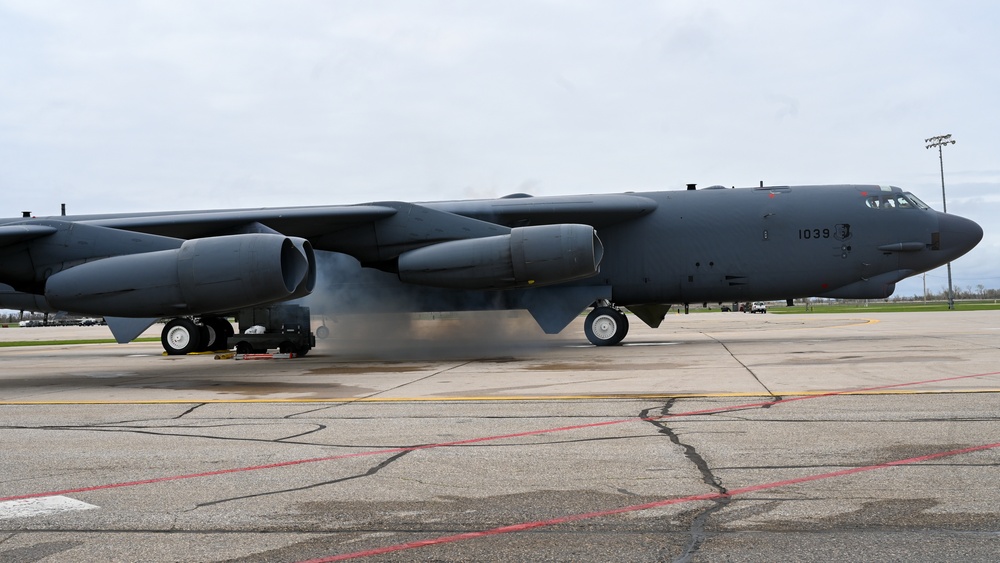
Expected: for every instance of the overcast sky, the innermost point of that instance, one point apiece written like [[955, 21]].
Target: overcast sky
[[143, 106]]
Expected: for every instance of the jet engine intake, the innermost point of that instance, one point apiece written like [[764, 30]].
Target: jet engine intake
[[528, 256], [202, 276]]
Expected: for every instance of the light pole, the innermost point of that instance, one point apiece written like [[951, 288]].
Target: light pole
[[939, 142]]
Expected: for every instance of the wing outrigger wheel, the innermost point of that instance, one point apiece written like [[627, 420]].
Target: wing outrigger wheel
[[606, 326]]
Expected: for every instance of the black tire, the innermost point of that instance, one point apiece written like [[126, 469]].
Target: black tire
[[606, 326], [244, 347], [180, 337], [207, 338], [218, 331]]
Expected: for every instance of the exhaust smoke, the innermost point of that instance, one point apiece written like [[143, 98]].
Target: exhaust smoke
[[371, 315]]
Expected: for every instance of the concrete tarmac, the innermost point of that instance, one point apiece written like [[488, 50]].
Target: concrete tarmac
[[717, 437]]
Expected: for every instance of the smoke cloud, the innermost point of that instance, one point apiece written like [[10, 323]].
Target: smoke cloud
[[372, 315]]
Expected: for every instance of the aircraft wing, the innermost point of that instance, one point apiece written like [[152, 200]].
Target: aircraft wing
[[297, 221], [598, 211], [377, 232], [191, 262], [13, 234]]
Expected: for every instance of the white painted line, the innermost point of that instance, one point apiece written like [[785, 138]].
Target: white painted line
[[43, 506]]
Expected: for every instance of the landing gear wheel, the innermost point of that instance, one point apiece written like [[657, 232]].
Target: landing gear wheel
[[217, 333], [605, 326], [207, 338], [180, 336], [322, 332]]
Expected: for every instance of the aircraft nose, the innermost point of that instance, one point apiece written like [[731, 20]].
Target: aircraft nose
[[958, 234]]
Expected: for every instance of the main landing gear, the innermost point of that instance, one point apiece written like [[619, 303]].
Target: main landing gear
[[605, 325], [183, 336], [283, 327]]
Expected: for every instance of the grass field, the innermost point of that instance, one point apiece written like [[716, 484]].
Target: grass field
[[67, 342], [884, 307], [779, 308]]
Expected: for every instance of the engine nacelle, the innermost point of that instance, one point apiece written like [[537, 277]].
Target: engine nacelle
[[202, 276], [308, 283], [10, 299], [528, 256]]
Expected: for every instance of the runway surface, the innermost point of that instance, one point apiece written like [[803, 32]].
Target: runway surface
[[719, 436]]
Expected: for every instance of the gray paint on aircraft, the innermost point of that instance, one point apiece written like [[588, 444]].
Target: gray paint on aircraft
[[651, 250]]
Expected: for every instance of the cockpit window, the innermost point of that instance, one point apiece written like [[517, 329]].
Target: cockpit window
[[916, 201], [895, 201]]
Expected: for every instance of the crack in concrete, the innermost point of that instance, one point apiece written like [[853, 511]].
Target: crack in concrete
[[739, 361], [189, 411], [380, 466], [697, 531], [377, 393]]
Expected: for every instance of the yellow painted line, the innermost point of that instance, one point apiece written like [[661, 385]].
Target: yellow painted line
[[867, 322], [503, 398]]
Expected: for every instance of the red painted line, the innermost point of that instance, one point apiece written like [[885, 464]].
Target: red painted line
[[316, 459], [524, 526], [478, 440]]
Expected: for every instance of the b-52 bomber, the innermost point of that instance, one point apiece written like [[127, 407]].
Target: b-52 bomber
[[553, 256]]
